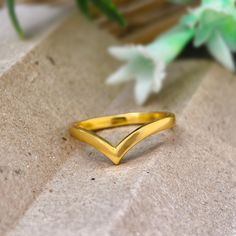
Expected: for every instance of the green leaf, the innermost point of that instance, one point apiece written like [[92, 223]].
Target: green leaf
[[84, 7], [13, 17], [110, 10], [105, 6]]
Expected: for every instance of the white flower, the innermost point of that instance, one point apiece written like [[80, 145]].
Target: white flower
[[143, 66], [146, 65]]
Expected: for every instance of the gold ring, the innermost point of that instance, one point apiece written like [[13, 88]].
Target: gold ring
[[151, 123]]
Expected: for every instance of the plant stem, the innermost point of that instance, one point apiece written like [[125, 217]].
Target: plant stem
[[13, 17]]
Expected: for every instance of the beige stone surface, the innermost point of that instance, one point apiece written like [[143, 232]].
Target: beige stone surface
[[180, 182]]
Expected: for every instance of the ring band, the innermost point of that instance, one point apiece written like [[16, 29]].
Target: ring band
[[151, 123]]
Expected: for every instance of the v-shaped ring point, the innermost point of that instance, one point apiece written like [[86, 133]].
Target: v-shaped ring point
[[150, 123]]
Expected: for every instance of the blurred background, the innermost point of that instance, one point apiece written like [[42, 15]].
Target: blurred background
[[145, 19]]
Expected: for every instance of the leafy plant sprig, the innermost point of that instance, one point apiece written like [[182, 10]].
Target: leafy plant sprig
[[212, 24], [105, 6]]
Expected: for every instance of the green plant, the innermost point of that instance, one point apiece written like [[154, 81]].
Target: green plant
[[105, 6], [211, 24]]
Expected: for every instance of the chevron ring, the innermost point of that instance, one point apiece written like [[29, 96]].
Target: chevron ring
[[150, 123]]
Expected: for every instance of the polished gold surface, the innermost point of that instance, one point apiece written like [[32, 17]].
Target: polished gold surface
[[151, 123]]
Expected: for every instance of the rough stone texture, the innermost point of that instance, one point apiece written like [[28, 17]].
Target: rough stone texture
[[180, 182]]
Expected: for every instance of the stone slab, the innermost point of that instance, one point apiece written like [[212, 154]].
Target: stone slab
[[181, 182]]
